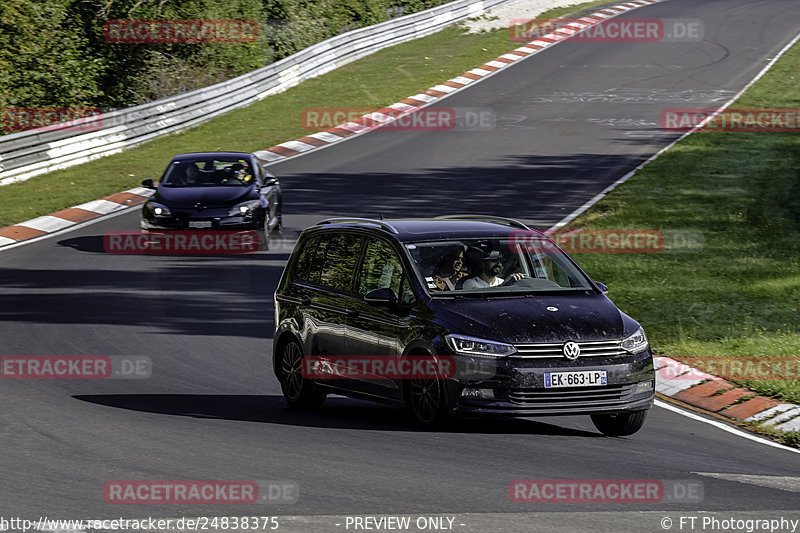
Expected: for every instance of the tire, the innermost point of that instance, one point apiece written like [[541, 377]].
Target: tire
[[427, 401], [297, 390], [620, 424], [263, 237]]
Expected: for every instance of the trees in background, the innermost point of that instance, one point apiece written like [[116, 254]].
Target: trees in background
[[54, 52]]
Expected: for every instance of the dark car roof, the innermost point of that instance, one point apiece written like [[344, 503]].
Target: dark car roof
[[422, 229], [206, 155]]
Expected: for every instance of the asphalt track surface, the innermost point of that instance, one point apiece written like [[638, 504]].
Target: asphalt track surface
[[212, 409]]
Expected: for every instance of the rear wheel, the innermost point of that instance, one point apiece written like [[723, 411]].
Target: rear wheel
[[620, 424], [297, 390]]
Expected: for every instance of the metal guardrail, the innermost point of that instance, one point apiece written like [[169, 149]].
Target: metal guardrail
[[27, 154]]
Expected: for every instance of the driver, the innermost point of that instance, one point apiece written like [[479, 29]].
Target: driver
[[192, 175], [490, 264]]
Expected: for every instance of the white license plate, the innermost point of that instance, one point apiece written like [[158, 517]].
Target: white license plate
[[583, 378], [200, 224]]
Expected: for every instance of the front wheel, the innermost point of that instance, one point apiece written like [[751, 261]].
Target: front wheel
[[620, 424], [297, 390], [427, 400]]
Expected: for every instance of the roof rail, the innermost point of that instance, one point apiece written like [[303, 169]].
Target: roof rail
[[503, 220], [380, 223]]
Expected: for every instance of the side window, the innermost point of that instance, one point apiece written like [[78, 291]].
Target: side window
[[303, 265], [318, 259], [340, 260], [382, 268]]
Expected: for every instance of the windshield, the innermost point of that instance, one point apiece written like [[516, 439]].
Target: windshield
[[208, 173], [495, 266]]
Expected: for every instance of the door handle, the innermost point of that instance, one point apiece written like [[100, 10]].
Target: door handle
[[351, 312]]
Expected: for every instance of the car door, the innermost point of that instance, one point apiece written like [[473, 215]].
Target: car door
[[378, 330], [328, 294]]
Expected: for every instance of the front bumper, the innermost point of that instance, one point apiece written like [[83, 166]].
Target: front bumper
[[515, 386], [191, 223]]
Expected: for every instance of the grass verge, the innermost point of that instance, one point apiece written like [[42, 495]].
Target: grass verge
[[740, 294], [375, 81]]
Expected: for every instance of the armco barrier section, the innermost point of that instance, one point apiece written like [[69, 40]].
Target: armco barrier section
[[30, 153]]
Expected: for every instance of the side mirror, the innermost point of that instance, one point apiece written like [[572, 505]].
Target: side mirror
[[603, 288], [148, 184], [383, 296]]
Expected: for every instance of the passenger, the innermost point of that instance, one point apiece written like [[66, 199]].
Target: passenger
[[450, 269], [490, 266]]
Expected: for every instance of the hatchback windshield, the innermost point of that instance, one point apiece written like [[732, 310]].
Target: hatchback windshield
[[208, 173], [495, 266]]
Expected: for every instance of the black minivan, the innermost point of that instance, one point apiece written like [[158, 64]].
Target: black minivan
[[506, 322]]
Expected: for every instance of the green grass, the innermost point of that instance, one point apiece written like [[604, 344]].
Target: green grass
[[377, 80], [740, 294]]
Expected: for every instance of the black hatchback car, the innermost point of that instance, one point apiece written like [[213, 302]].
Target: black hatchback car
[[523, 330], [214, 190]]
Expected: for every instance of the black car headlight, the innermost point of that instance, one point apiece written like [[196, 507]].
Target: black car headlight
[[636, 343], [464, 345], [244, 209], [158, 210]]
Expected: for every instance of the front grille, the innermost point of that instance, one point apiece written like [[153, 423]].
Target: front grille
[[570, 398], [554, 349]]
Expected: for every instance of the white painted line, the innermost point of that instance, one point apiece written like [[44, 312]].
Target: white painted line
[[791, 425], [354, 127], [479, 72], [402, 107], [444, 88], [327, 137], [423, 97], [511, 57], [141, 191], [462, 80], [102, 207], [4, 241], [297, 146], [540, 43], [266, 155], [724, 427], [772, 411], [47, 223], [786, 415], [498, 64]]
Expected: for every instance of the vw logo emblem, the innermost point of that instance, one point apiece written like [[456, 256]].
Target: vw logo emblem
[[571, 350], [199, 206], [551, 308]]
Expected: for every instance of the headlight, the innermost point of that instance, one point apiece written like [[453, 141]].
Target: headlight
[[159, 210], [463, 345], [243, 209], [636, 343]]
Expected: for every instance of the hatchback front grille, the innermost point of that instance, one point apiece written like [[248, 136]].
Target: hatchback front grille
[[555, 349], [568, 398]]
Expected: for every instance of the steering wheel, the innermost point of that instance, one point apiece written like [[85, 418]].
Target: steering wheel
[[511, 281]]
